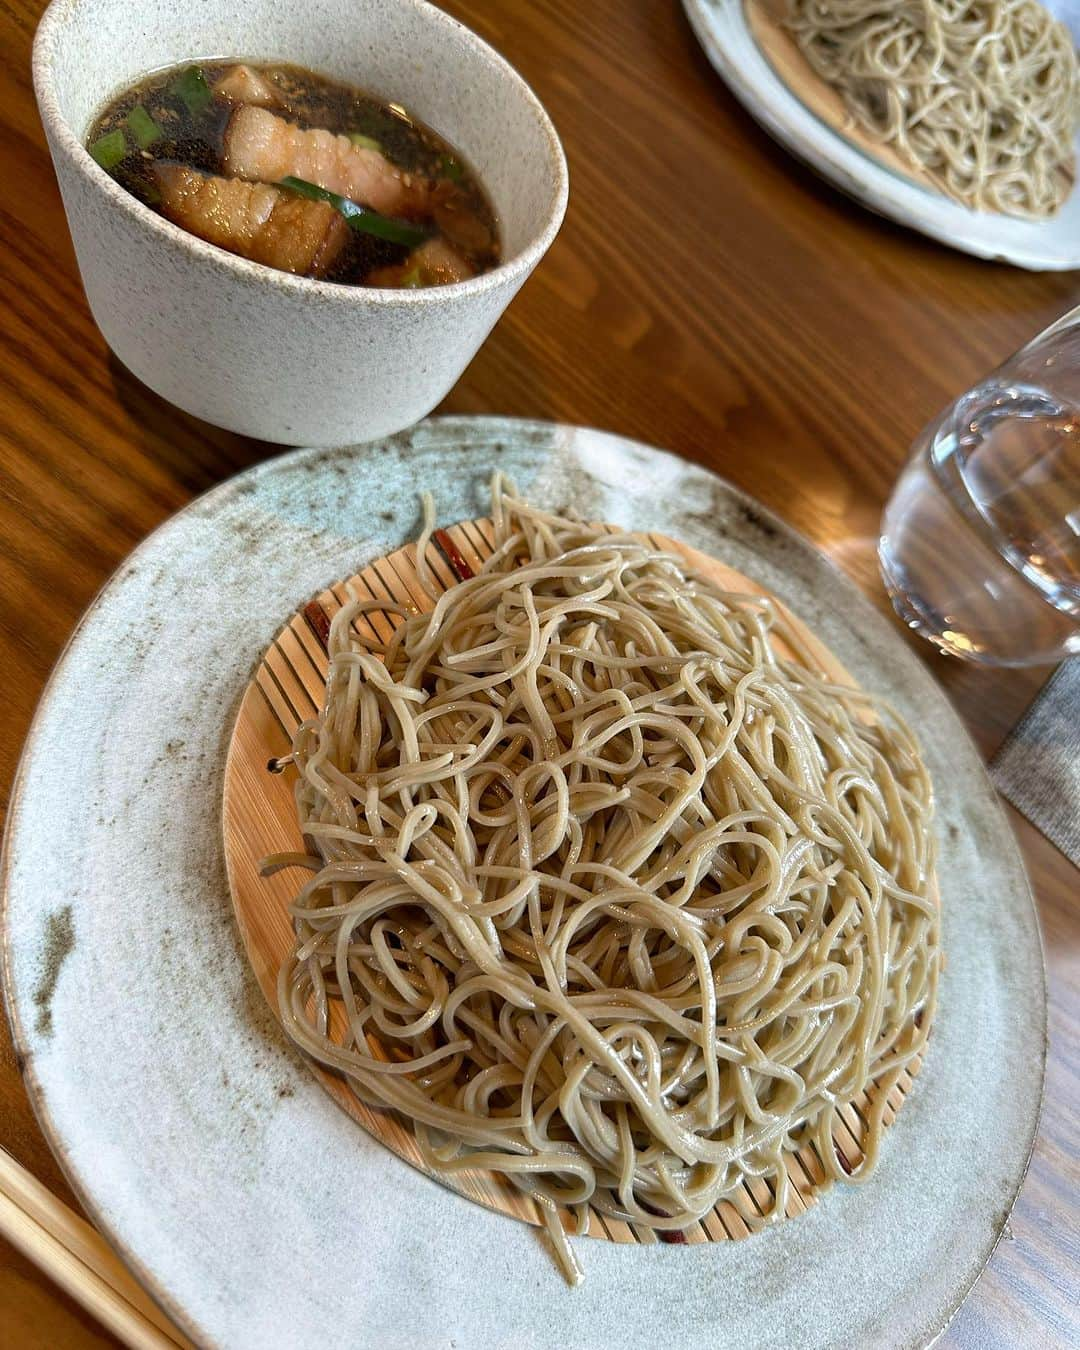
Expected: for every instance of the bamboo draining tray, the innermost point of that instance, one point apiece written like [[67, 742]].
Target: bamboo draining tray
[[260, 818]]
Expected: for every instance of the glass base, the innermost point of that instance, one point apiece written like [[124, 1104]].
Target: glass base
[[943, 631], [920, 618]]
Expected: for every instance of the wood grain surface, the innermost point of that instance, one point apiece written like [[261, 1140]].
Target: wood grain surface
[[707, 294]]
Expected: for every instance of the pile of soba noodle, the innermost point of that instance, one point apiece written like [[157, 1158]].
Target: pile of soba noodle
[[615, 896], [984, 95]]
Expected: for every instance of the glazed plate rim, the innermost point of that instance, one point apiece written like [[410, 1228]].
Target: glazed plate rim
[[1051, 245], [122, 1182]]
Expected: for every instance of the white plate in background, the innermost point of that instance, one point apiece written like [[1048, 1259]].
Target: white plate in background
[[1051, 245]]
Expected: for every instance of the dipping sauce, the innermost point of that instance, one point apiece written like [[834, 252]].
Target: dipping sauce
[[288, 168]]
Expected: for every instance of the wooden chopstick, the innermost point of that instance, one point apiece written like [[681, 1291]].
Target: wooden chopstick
[[78, 1258]]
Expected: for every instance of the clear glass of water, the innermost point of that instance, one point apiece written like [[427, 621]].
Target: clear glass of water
[[980, 542]]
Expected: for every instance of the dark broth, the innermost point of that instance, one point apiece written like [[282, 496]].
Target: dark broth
[[178, 117]]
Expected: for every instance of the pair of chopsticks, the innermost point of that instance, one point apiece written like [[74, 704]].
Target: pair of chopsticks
[[79, 1260]]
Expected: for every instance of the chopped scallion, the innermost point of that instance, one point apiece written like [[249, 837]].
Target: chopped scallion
[[451, 168], [190, 86], [365, 142], [359, 217], [143, 127], [109, 149], [413, 279]]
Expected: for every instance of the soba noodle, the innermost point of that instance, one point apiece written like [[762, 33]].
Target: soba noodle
[[618, 895], [983, 95]]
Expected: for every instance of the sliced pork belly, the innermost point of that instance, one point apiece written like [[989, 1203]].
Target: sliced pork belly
[[266, 224], [440, 263], [241, 84], [264, 147], [434, 263]]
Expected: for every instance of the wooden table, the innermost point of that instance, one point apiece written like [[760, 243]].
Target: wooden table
[[706, 294]]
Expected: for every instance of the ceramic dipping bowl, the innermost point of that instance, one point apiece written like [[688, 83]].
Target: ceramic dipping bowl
[[259, 351]]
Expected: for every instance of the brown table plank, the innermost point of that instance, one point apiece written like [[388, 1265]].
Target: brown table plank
[[707, 294]]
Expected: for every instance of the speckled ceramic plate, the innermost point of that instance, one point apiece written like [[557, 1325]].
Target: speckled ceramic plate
[[247, 1202], [1051, 245]]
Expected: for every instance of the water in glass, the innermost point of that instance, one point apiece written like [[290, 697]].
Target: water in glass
[[980, 545]]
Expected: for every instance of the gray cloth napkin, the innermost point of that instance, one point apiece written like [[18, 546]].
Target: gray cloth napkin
[[1038, 767]]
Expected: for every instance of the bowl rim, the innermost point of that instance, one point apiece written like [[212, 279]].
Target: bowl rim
[[64, 140]]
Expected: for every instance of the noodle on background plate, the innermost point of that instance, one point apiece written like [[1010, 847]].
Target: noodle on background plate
[[617, 895], [983, 95]]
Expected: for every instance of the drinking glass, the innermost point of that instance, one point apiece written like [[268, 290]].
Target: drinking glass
[[980, 541]]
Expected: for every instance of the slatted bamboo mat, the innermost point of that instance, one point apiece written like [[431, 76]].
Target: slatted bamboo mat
[[260, 819]]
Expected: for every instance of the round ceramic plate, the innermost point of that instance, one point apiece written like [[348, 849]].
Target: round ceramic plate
[[1051, 245], [253, 1208]]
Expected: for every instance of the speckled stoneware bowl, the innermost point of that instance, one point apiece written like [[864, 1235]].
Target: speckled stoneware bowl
[[249, 348], [251, 1206]]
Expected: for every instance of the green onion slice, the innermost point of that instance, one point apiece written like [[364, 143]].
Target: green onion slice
[[413, 279], [190, 86], [109, 149], [143, 127], [359, 217], [365, 142]]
